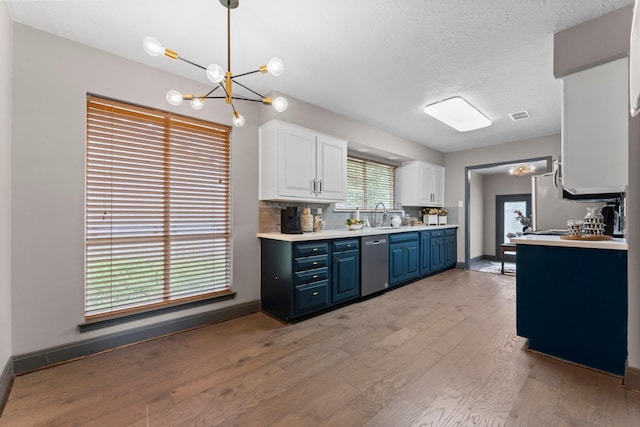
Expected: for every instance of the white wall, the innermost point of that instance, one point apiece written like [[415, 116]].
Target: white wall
[[477, 214], [456, 162], [495, 185], [6, 43], [51, 78], [307, 115]]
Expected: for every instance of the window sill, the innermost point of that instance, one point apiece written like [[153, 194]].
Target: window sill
[[117, 319]]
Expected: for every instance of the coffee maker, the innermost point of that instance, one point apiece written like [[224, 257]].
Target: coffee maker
[[613, 213], [290, 221]]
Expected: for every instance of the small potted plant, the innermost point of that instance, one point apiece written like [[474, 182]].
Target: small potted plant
[[431, 216], [442, 216], [525, 221]]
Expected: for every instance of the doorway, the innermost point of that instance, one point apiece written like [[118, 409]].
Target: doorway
[[506, 221], [499, 168]]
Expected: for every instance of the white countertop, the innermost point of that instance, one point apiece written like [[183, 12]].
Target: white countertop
[[544, 240], [343, 233]]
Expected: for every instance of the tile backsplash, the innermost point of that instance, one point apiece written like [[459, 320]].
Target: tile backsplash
[[269, 214]]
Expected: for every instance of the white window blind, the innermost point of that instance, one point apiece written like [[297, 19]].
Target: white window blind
[[157, 227], [369, 182]]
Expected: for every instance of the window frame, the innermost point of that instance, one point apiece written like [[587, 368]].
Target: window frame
[[394, 185], [195, 169]]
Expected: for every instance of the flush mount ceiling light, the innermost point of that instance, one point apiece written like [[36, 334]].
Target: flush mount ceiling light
[[217, 75], [522, 170], [458, 113]]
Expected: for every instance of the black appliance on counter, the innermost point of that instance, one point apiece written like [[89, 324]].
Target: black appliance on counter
[[290, 221], [613, 213]]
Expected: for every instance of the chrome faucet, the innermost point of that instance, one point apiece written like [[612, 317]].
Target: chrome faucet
[[375, 214]]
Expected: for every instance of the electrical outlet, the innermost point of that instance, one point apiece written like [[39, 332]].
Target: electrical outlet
[[460, 204]]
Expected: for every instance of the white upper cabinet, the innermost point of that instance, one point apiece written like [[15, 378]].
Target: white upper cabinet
[[298, 164], [422, 184], [595, 130]]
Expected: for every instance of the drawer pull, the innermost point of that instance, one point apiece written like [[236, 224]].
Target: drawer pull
[[314, 249], [314, 263], [314, 294], [315, 276], [348, 246]]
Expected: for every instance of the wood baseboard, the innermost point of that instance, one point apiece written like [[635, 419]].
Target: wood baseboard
[[6, 379], [631, 378], [28, 362]]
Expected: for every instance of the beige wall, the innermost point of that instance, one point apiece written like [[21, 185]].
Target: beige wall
[[498, 185], [477, 211], [5, 184], [455, 164], [593, 42], [307, 115], [48, 182]]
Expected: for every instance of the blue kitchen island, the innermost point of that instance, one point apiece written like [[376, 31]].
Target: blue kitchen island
[[571, 299]]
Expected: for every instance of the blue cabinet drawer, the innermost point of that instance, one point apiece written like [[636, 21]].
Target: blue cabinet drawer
[[311, 275], [345, 245], [312, 296], [450, 231], [313, 248], [306, 263], [403, 237], [437, 233]]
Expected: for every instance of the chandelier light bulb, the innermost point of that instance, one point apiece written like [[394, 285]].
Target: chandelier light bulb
[[275, 66], [152, 46], [174, 97], [215, 73], [280, 104], [238, 120], [197, 103]]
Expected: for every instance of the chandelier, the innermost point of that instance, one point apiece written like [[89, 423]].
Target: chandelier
[[522, 170], [215, 73]]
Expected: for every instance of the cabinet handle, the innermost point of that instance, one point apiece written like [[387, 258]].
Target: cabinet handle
[[348, 246], [314, 294], [320, 185], [314, 249], [313, 186], [314, 263], [315, 276]]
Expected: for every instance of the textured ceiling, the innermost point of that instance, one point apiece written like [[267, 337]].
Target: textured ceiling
[[376, 61]]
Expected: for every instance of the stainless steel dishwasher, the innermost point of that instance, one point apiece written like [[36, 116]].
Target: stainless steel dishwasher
[[374, 264]]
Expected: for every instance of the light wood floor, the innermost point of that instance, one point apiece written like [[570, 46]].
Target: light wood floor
[[438, 352]]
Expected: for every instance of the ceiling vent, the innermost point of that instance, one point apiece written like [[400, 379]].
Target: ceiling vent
[[520, 115]]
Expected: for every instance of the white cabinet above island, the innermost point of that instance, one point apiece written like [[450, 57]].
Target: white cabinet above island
[[595, 143]]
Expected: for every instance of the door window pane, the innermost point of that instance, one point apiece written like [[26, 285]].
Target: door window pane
[[511, 224]]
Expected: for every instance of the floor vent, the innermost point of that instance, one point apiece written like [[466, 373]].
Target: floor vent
[[520, 115]]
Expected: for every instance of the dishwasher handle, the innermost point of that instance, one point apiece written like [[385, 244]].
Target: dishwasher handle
[[375, 242]]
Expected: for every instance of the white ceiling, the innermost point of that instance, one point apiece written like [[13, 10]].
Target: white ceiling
[[376, 61]]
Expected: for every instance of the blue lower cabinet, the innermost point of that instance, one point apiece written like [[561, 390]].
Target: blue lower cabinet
[[571, 303], [345, 277], [450, 247], [311, 297], [404, 257], [425, 252], [437, 250], [345, 273]]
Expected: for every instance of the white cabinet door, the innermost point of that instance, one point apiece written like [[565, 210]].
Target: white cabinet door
[[425, 176], [296, 162], [437, 185], [422, 184], [595, 129], [331, 154]]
